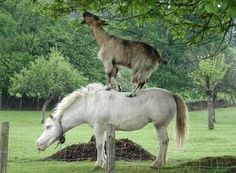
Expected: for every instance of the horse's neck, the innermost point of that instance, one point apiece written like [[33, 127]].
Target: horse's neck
[[71, 120]]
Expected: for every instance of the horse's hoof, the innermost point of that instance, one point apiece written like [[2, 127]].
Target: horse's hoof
[[96, 168], [154, 167]]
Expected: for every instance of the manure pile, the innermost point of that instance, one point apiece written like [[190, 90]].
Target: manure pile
[[125, 150]]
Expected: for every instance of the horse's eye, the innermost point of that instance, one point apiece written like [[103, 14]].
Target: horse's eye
[[48, 127]]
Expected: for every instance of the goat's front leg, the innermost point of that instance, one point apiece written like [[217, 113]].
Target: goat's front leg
[[108, 69], [114, 74], [112, 71], [109, 82]]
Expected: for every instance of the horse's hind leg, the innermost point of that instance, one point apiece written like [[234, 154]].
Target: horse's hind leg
[[163, 144]]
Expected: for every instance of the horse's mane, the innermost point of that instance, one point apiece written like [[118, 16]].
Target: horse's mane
[[69, 99]]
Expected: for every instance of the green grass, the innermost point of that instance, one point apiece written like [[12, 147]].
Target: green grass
[[25, 129]]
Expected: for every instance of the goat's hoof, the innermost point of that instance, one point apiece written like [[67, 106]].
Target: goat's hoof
[[119, 89], [131, 95], [108, 88]]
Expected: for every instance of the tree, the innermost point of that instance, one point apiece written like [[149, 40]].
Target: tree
[[209, 74], [192, 20], [26, 33], [228, 85], [47, 78]]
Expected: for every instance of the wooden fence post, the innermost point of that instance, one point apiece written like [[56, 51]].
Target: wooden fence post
[[4, 132], [110, 149]]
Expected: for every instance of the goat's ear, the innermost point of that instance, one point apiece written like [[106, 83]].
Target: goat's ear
[[50, 116], [102, 22], [96, 17]]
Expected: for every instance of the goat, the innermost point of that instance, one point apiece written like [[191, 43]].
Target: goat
[[140, 57]]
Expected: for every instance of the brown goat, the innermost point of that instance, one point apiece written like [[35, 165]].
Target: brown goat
[[140, 57]]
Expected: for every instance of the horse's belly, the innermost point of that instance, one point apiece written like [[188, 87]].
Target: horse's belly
[[130, 125]]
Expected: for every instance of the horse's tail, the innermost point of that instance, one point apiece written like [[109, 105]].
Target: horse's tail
[[181, 121]]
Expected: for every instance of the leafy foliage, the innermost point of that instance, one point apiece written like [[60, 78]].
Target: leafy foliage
[[26, 34], [210, 71], [47, 77], [191, 20]]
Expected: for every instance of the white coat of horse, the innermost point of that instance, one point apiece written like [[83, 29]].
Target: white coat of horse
[[98, 107]]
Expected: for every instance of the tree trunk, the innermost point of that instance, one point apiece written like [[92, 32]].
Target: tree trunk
[[20, 104], [37, 103], [44, 109], [0, 102], [214, 105], [210, 107], [210, 103]]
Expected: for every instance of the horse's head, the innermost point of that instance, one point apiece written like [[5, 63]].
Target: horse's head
[[52, 132], [92, 20]]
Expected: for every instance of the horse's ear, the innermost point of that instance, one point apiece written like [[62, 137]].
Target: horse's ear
[[50, 116]]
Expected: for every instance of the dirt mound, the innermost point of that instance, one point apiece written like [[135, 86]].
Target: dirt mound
[[125, 150]]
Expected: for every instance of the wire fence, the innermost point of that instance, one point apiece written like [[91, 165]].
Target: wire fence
[[206, 150]]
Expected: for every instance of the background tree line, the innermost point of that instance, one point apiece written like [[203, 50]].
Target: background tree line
[[28, 33]]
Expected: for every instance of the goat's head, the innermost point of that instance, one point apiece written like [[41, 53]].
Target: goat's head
[[91, 19]]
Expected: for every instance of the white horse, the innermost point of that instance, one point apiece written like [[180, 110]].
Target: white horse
[[98, 107]]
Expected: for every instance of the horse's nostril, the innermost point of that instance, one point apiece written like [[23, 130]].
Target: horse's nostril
[[39, 146]]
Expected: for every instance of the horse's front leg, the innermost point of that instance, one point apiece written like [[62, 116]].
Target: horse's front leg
[[100, 142]]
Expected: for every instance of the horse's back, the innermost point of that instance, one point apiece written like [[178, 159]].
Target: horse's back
[[150, 105], [161, 104]]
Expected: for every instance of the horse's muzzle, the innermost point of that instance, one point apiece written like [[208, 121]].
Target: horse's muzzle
[[40, 147]]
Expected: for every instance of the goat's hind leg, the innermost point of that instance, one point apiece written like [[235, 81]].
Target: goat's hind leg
[[139, 87], [118, 87]]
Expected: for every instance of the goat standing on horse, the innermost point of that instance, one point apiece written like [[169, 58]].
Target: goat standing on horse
[[140, 57]]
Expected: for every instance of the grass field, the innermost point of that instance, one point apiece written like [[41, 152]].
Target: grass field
[[25, 129]]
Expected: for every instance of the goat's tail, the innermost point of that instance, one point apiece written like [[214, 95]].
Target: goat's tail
[[181, 121], [163, 61], [160, 58]]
